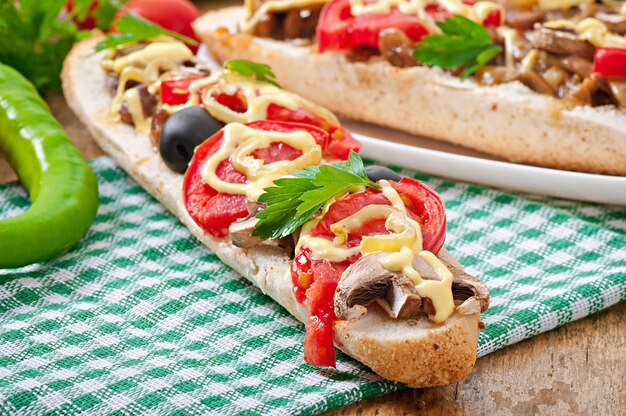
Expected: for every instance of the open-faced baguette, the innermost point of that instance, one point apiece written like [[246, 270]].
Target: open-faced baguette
[[416, 352], [508, 120]]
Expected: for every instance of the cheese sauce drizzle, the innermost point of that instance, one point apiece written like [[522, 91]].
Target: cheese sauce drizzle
[[592, 30], [258, 96], [477, 12], [238, 144], [143, 66], [253, 17], [403, 244]]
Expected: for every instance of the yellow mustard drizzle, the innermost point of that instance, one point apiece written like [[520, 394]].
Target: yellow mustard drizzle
[[240, 141], [253, 17], [529, 61], [136, 110], [438, 291], [403, 244], [143, 66], [510, 37], [560, 4], [257, 94], [592, 30], [477, 12]]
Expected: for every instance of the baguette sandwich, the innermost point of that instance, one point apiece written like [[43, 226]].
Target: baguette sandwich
[[364, 267], [541, 82]]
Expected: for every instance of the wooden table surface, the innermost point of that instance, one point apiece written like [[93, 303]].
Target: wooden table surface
[[579, 368]]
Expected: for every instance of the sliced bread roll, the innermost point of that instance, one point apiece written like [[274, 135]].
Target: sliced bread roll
[[417, 352], [509, 120]]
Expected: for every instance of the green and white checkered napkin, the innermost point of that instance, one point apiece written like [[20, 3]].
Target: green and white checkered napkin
[[140, 318]]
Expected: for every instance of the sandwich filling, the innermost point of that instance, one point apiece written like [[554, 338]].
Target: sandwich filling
[[371, 243], [573, 50]]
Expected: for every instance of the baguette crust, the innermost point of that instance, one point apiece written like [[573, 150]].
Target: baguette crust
[[418, 352], [509, 120]]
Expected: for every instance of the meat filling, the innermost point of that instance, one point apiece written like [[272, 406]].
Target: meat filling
[[292, 24]]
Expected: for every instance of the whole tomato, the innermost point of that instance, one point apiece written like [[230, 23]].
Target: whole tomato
[[173, 15]]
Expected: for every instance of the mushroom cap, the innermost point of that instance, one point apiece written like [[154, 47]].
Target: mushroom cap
[[367, 281]]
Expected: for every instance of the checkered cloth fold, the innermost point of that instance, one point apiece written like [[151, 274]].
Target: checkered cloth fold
[[140, 318]]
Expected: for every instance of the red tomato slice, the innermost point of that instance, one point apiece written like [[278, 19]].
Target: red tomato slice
[[176, 91], [214, 212], [493, 19], [348, 205], [173, 15], [341, 141], [318, 340], [338, 29], [424, 205], [236, 102], [610, 62], [428, 208]]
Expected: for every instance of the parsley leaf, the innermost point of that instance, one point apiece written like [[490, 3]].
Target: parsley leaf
[[34, 39], [462, 43], [134, 28], [106, 11], [261, 72], [293, 201]]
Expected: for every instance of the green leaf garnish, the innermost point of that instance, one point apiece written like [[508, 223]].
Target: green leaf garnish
[[462, 43], [261, 72], [35, 36], [134, 28], [293, 201], [105, 12]]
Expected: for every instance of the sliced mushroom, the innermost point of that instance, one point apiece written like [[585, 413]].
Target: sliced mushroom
[[523, 19], [268, 26], [240, 233], [464, 286], [402, 298], [290, 24], [301, 23], [555, 77], [576, 64], [561, 42], [396, 47], [615, 22], [366, 281], [617, 87], [535, 82], [594, 91]]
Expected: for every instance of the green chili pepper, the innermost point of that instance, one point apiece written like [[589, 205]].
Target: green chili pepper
[[63, 189]]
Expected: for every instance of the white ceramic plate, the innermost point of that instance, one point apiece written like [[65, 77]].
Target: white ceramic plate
[[449, 161]]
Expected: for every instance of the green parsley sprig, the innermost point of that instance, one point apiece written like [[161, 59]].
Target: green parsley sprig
[[261, 72], [134, 28], [34, 40], [36, 35], [102, 11], [293, 201], [462, 43]]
